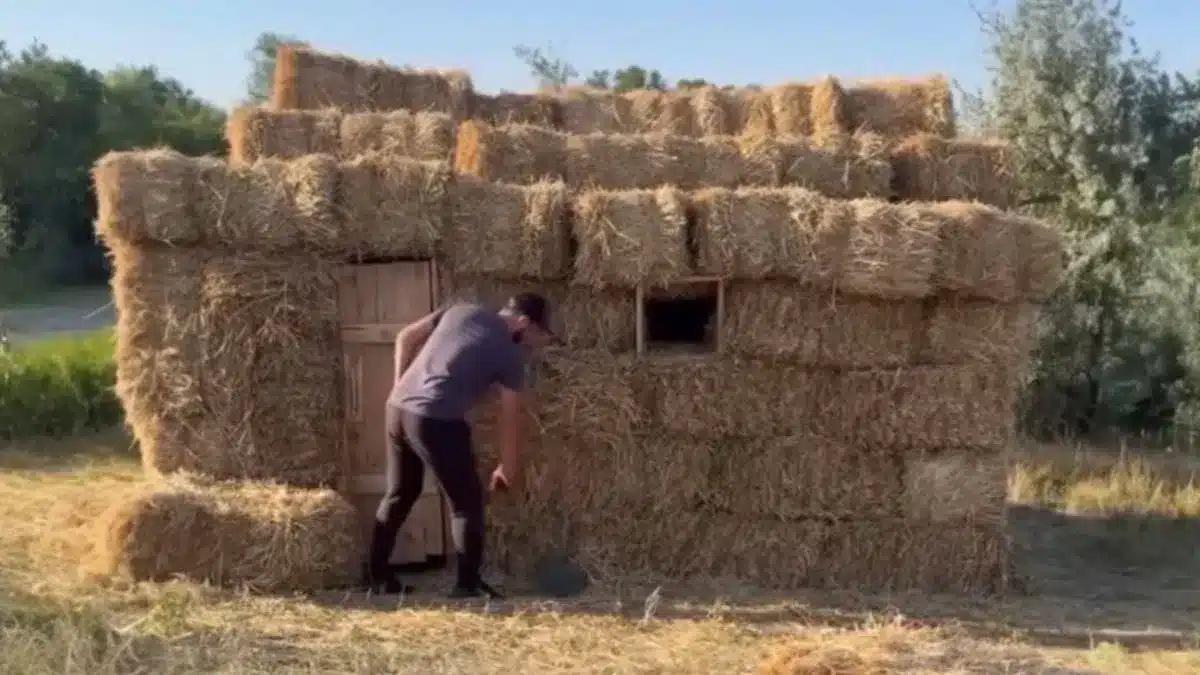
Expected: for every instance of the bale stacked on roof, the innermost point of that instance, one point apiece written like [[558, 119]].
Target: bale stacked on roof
[[930, 168], [307, 79], [540, 110]]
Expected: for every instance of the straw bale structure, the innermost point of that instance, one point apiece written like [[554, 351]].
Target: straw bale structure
[[793, 336], [263, 537]]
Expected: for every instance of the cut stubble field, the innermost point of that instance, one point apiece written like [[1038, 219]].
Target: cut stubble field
[[1108, 548]]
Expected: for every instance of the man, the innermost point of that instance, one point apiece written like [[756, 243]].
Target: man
[[445, 364]]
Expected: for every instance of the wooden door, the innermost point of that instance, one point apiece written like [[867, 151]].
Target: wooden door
[[376, 301]]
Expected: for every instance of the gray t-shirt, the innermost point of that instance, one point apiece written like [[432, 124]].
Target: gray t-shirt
[[469, 350]]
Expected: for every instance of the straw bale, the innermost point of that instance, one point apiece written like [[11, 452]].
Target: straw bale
[[978, 252], [587, 110], [758, 113], [648, 161], [947, 487], [307, 79], [804, 476], [828, 108], [762, 233], [717, 112], [1042, 256], [517, 153], [261, 537], [270, 205], [584, 318], [507, 108], [424, 135], [843, 167], [901, 555], [883, 555], [791, 105], [256, 132], [394, 206], [703, 397], [892, 250], [444, 90], [631, 237], [156, 292], [145, 196], [919, 407], [902, 107], [508, 231], [270, 364], [662, 112], [774, 319], [962, 331], [929, 168]]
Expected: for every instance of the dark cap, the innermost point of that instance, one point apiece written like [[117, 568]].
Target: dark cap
[[534, 307]]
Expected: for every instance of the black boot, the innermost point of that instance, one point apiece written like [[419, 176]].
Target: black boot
[[478, 589], [383, 582]]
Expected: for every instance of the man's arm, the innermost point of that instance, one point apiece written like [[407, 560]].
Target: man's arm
[[512, 406], [411, 339]]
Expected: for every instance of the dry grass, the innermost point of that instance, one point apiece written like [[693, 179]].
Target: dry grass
[[53, 620]]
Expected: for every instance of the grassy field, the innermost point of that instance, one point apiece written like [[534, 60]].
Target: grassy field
[[1114, 594]]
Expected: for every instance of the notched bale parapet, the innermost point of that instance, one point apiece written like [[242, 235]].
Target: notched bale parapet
[[929, 168], [587, 110], [145, 196], [979, 253], [308, 79], [508, 231], [266, 538], [631, 237], [515, 153], [394, 206]]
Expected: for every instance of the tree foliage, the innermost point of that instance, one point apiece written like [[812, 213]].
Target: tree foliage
[[56, 118], [1098, 131]]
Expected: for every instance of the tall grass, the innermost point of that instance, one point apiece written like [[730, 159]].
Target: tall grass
[[58, 387]]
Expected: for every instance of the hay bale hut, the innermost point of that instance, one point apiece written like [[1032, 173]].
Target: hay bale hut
[[778, 368]]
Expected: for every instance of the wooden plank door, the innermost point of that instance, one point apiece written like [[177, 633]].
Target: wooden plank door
[[376, 301]]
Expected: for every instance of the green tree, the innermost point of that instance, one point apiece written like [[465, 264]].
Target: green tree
[[1096, 132], [636, 77], [548, 69], [692, 83]]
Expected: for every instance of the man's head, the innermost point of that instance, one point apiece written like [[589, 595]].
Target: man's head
[[528, 318]]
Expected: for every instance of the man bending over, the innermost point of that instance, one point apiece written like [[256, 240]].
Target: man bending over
[[445, 364]]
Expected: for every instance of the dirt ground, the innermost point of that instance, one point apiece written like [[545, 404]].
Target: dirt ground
[[1104, 595]]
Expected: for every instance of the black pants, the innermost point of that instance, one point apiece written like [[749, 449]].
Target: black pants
[[445, 445]]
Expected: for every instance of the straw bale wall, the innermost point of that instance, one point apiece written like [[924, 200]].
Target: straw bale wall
[[849, 432]]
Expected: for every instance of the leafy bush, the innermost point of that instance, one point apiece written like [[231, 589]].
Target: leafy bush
[[58, 387]]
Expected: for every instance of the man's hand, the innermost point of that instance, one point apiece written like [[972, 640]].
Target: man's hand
[[500, 480]]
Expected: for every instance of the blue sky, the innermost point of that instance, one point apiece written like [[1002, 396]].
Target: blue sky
[[731, 42]]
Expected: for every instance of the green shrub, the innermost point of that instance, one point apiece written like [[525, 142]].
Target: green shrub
[[58, 387]]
